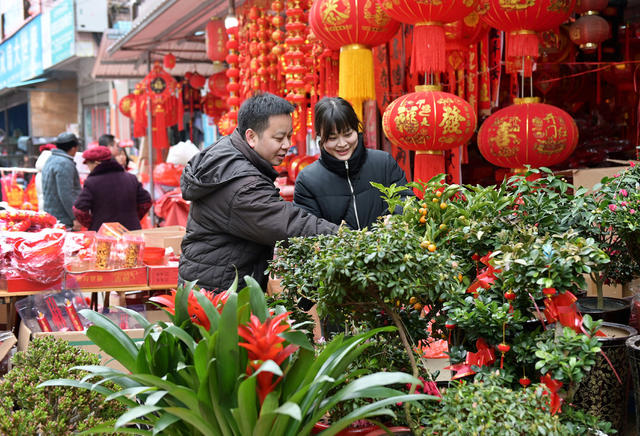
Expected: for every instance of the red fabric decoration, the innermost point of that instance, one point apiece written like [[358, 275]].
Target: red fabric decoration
[[428, 48], [528, 133], [429, 121], [485, 356], [215, 38], [553, 386], [197, 81], [159, 87]]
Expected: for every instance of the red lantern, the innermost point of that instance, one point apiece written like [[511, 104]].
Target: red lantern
[[528, 133], [215, 38], [584, 6], [460, 34], [588, 31], [353, 27], [428, 51], [429, 121], [125, 105], [218, 84], [197, 81], [169, 61], [522, 19]]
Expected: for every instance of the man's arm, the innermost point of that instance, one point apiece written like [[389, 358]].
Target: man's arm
[[65, 177], [303, 198], [259, 214]]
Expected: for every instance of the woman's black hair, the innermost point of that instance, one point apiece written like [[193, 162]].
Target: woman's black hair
[[335, 114]]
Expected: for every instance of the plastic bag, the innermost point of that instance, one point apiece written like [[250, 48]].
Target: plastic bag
[[53, 312], [182, 152], [167, 174], [38, 256]]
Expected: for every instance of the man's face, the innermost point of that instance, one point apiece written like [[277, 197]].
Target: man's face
[[272, 145], [115, 150]]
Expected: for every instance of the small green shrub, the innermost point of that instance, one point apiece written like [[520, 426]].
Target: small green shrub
[[26, 409]]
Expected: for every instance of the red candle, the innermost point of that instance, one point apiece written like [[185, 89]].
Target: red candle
[[73, 315], [42, 322]]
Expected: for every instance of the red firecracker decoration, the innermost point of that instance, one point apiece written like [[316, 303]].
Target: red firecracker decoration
[[169, 61], [528, 133], [521, 20], [353, 27], [229, 120], [429, 122], [588, 31], [215, 38], [428, 47]]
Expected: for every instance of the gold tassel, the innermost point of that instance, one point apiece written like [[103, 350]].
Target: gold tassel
[[356, 82]]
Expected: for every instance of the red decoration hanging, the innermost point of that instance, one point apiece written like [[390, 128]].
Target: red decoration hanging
[[217, 84], [429, 121], [353, 27], [197, 81], [589, 31], [169, 61], [521, 20], [528, 133], [125, 105], [428, 48], [584, 6], [160, 87], [229, 120], [215, 38]]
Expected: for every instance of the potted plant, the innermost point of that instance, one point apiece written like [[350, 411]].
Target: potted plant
[[227, 365], [26, 409]]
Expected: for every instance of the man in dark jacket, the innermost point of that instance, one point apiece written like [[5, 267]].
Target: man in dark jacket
[[60, 180], [237, 214], [110, 194]]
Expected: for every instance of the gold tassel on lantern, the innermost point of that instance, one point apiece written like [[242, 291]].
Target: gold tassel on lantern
[[356, 82]]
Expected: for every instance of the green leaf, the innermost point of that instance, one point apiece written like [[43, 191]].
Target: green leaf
[[192, 418], [289, 409], [297, 338], [227, 353], [135, 413], [144, 323], [201, 359], [209, 310], [256, 297], [166, 419], [108, 428], [182, 303], [110, 338], [183, 336], [247, 412]]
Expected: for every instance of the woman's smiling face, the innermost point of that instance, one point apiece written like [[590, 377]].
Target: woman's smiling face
[[341, 145]]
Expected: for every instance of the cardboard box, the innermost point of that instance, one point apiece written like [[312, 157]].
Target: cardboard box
[[170, 236], [23, 285], [163, 275], [105, 279], [589, 177], [81, 340]]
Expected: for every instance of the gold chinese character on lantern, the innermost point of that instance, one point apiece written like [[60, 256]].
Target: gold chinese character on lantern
[[332, 16], [559, 6], [516, 4], [451, 120], [505, 137], [550, 134]]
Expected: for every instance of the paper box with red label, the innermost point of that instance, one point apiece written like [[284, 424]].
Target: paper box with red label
[[163, 275], [106, 279]]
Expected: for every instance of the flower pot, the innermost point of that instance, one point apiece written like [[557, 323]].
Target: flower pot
[[600, 393], [615, 310], [349, 431], [398, 431], [633, 351]]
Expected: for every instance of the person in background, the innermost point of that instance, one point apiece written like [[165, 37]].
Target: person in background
[[45, 153], [110, 194], [123, 158], [109, 141], [337, 187], [60, 180], [237, 214]]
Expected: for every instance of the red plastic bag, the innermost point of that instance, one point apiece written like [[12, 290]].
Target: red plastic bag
[[172, 208], [167, 174], [38, 256]]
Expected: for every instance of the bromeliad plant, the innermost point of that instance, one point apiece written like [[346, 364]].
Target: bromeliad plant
[[227, 365]]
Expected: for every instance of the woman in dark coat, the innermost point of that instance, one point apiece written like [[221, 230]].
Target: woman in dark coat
[[337, 187], [110, 194]]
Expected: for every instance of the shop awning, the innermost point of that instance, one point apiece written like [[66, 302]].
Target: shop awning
[[170, 27]]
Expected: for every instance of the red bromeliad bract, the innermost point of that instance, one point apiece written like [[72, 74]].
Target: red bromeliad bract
[[264, 343], [196, 312]]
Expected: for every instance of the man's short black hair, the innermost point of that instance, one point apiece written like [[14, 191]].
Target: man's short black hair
[[107, 140], [255, 112]]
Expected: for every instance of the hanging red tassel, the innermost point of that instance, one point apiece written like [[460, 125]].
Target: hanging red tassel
[[522, 43], [428, 52]]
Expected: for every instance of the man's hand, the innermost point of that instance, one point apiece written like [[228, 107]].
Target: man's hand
[[76, 226]]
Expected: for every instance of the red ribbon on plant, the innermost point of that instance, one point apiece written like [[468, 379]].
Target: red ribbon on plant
[[562, 308], [485, 356], [553, 386], [264, 343]]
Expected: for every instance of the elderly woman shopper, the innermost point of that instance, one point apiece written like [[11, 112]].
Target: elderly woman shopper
[[110, 194]]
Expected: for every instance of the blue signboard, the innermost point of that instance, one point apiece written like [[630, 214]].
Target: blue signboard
[[21, 55], [62, 28]]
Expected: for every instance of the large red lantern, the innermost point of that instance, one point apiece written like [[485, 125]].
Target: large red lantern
[[353, 27], [584, 6], [169, 61], [428, 50], [460, 34], [588, 31], [215, 38], [126, 104], [528, 133], [218, 84], [429, 122], [522, 19]]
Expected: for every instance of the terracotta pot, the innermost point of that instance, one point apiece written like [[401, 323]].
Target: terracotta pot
[[633, 352], [600, 393], [359, 431], [615, 310]]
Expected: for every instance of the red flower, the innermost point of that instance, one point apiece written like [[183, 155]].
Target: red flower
[[264, 343], [196, 312]]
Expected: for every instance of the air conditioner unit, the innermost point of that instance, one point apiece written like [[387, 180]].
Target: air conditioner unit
[[91, 16]]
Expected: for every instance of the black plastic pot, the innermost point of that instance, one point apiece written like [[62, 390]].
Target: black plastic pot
[[600, 393], [615, 310], [633, 352]]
